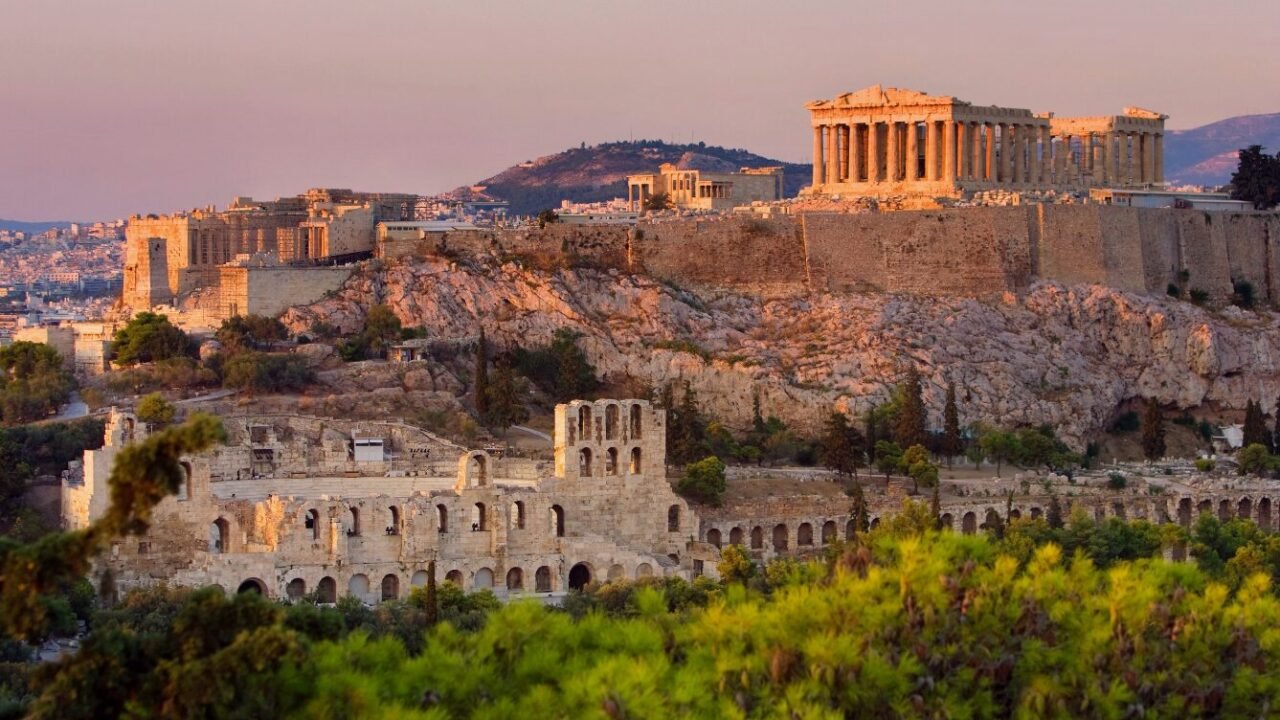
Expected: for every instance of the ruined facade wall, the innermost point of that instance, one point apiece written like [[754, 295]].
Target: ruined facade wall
[[269, 291]]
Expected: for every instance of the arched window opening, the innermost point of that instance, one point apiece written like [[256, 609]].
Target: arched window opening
[[390, 587], [946, 521], [478, 468], [442, 519], [829, 532], [993, 520], [1264, 514], [969, 523], [354, 529], [579, 576], [479, 523], [419, 578], [557, 520], [327, 590], [850, 529], [1244, 509], [313, 524], [1184, 512], [584, 462], [1224, 510], [673, 518], [454, 576], [483, 579], [584, 423], [635, 422], [1036, 513], [611, 461], [542, 580], [713, 537], [296, 589], [779, 537], [253, 585], [757, 538], [515, 579], [394, 527], [616, 572], [644, 570], [804, 535], [517, 515], [358, 586], [635, 461], [735, 536], [219, 535], [875, 523], [611, 422], [1015, 514]]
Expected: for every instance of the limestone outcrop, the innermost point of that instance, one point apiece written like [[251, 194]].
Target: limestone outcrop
[[1063, 355]]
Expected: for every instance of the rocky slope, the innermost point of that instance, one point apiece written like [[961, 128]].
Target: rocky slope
[[1067, 356]]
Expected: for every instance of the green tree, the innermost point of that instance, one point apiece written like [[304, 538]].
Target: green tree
[[888, 457], [1255, 426], [703, 481], [560, 368], [657, 201], [547, 217], [1254, 459], [975, 455], [842, 445], [951, 444], [505, 406], [1257, 178], [258, 372], [910, 424], [686, 428], [735, 565], [251, 332], [1054, 514], [858, 511], [1001, 446], [915, 464], [1153, 447], [381, 328], [33, 382], [480, 381], [154, 409], [149, 337]]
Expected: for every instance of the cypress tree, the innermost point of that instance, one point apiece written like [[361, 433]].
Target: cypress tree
[[505, 408], [1255, 426], [836, 451], [1153, 446], [859, 510], [951, 426], [909, 427], [1054, 514], [481, 384], [433, 601]]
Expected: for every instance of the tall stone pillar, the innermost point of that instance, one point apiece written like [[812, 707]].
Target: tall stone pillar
[[989, 161], [873, 152], [975, 150], [856, 162], [1099, 164], [913, 152], [817, 156], [1159, 158], [1086, 154], [894, 151], [962, 151], [1046, 156], [1102, 171], [832, 166], [1033, 154], [1115, 141], [1015, 144], [1148, 157], [931, 150], [948, 151]]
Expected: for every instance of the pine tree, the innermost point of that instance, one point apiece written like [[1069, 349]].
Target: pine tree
[[433, 601], [838, 452], [481, 384], [1255, 426], [1153, 446], [504, 406], [909, 427], [1054, 514], [859, 510], [951, 445], [757, 419]]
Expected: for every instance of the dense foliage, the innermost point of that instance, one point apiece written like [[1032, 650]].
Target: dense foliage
[[560, 368], [1257, 178], [28, 451], [149, 337], [250, 332], [260, 372], [703, 481], [33, 382]]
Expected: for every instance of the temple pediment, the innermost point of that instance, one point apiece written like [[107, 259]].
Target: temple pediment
[[1137, 112], [878, 96]]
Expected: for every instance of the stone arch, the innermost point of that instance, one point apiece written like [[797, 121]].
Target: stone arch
[[779, 537], [517, 515], [184, 487], [579, 576], [1099, 513], [850, 529], [735, 536], [969, 523], [1036, 513], [354, 529], [1118, 510], [992, 519], [1015, 514], [636, 421], [483, 579], [1224, 510], [673, 518], [611, 461], [946, 521], [543, 582], [1179, 551], [611, 421], [1264, 513], [1205, 507], [617, 572], [220, 536], [584, 462], [442, 518], [804, 535], [643, 570], [313, 524], [1184, 512], [253, 585], [296, 589], [327, 590], [358, 586], [713, 536], [584, 423], [635, 461], [394, 527], [419, 578], [757, 538], [829, 532], [557, 520], [515, 580], [1244, 508], [454, 576], [473, 469], [390, 587], [479, 518]]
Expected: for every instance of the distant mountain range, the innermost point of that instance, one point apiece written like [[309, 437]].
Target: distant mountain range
[[32, 227], [1201, 156]]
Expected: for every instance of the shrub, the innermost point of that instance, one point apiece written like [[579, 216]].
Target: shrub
[[154, 409], [1204, 465], [1242, 293], [1198, 296], [150, 337], [266, 372], [1117, 481], [1173, 290], [703, 481]]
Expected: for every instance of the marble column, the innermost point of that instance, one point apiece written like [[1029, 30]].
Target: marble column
[[1046, 156], [1148, 157], [873, 152], [832, 165], [817, 155], [989, 153], [1159, 158], [894, 150], [913, 152], [948, 151], [1086, 155], [931, 150], [1115, 147], [962, 151], [1099, 163], [1033, 153], [855, 152], [1016, 145], [975, 150], [1102, 175]]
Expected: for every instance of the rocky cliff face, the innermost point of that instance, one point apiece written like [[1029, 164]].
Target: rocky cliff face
[[1066, 356]]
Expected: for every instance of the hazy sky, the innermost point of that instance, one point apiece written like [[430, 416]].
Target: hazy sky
[[111, 107]]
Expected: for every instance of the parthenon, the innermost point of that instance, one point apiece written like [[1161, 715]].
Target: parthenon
[[893, 141]]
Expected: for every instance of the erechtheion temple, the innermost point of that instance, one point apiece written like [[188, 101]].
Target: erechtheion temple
[[881, 141]]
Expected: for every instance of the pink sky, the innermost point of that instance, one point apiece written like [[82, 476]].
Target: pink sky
[[111, 108]]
